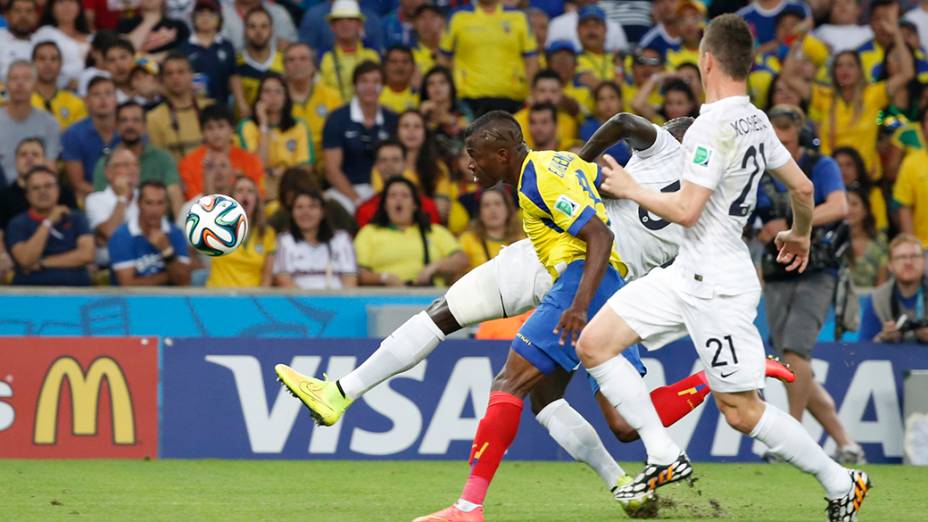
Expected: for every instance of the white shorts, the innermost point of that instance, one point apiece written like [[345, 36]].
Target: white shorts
[[721, 327], [511, 283]]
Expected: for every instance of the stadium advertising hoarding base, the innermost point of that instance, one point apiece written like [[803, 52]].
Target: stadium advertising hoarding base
[[221, 400], [78, 397]]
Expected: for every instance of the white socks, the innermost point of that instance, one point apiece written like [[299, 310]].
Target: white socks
[[621, 384], [788, 440], [579, 439], [412, 342]]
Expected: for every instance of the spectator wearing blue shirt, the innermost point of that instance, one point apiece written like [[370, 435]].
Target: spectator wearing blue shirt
[[761, 15], [210, 54], [317, 33], [351, 135], [88, 140], [398, 26], [665, 35], [49, 243], [895, 311], [798, 303], [150, 250]]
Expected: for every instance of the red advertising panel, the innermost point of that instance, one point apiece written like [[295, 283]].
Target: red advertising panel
[[78, 397]]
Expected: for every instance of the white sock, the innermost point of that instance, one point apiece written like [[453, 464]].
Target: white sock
[[579, 439], [621, 384], [412, 342], [788, 440]]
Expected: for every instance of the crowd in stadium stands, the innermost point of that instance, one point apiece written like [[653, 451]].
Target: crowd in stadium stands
[[338, 126]]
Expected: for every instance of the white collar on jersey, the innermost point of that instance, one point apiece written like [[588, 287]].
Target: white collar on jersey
[[724, 102]]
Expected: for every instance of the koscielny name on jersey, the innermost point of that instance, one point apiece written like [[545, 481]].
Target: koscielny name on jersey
[[745, 126]]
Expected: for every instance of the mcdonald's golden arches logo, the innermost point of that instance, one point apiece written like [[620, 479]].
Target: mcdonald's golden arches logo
[[85, 398]]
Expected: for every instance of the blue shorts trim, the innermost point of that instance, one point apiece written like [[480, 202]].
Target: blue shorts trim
[[536, 341]]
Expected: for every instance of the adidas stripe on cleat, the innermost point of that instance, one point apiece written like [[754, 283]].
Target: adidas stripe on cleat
[[652, 477], [845, 509]]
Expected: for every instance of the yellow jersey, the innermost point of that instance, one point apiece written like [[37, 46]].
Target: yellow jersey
[[337, 67], [399, 101], [401, 251], [478, 250], [911, 190], [628, 95], [290, 148], [244, 267], [65, 106], [839, 124], [599, 65], [488, 51], [251, 73], [425, 59], [315, 109], [558, 197]]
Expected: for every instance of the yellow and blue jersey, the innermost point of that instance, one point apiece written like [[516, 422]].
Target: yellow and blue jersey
[[558, 197], [872, 56]]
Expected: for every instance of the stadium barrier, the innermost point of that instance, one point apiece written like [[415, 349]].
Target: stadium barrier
[[218, 398], [198, 312]]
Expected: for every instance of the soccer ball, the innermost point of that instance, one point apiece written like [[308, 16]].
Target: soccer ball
[[216, 225]]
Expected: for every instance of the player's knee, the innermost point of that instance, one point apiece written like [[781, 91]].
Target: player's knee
[[741, 411], [513, 384], [590, 349]]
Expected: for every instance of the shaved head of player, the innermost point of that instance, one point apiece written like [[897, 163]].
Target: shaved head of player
[[711, 291], [496, 148]]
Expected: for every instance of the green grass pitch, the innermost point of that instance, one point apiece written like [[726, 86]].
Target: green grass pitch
[[361, 491]]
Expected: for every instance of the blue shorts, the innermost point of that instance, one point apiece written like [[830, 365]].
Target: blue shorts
[[536, 341]]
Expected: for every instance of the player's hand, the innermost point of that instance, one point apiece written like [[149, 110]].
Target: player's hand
[[572, 322], [793, 250], [616, 181]]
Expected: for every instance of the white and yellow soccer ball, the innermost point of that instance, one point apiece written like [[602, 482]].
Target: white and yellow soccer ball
[[216, 225]]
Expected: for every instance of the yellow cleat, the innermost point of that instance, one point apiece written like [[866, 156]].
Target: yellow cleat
[[326, 404]]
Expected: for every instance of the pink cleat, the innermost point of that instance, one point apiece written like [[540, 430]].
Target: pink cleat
[[453, 514], [779, 370]]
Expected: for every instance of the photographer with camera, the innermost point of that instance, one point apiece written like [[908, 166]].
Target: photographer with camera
[[895, 311], [798, 303]]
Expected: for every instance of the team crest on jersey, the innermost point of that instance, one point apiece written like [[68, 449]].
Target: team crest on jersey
[[566, 206], [65, 112], [291, 145], [322, 111], [701, 156], [506, 27]]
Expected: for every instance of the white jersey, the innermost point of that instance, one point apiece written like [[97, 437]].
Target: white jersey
[[726, 150], [642, 239]]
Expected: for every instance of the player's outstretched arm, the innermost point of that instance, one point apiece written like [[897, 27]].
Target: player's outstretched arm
[[793, 244], [638, 131], [683, 206]]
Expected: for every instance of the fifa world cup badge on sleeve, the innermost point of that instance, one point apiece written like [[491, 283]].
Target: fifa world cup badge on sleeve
[[565, 205], [701, 156]]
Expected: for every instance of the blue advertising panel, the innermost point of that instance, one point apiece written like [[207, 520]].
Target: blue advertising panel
[[220, 399]]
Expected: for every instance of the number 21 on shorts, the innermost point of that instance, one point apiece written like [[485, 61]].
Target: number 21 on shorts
[[720, 358]]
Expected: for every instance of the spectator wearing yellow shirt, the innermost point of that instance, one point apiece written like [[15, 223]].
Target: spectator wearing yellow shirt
[[259, 57], [846, 113], [279, 139], [497, 225], [679, 99], [312, 99], [547, 88], [910, 192], [691, 20], [561, 57], [65, 106], [399, 68], [429, 23], [400, 247], [174, 124], [337, 66], [492, 52], [855, 175], [645, 63], [594, 64], [884, 23], [250, 265]]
